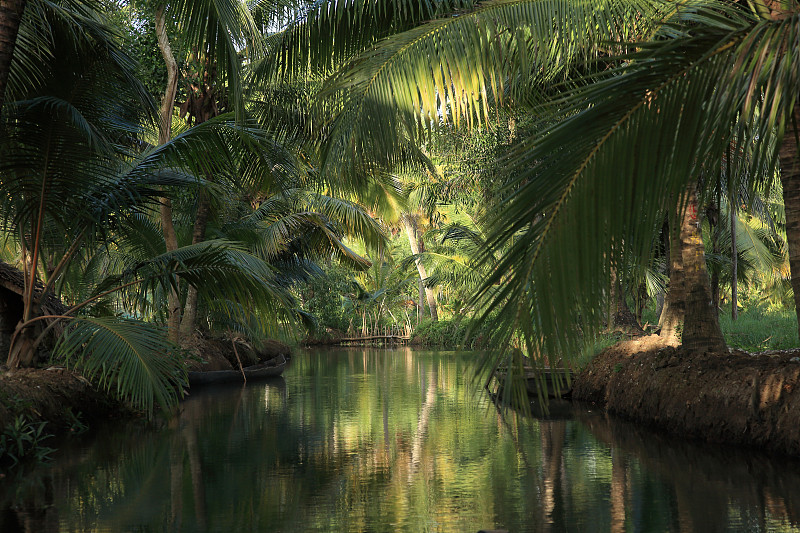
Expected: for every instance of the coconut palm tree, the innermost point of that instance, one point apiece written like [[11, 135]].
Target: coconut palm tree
[[667, 105], [215, 35], [482, 56]]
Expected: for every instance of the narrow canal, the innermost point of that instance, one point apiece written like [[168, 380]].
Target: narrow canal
[[357, 440]]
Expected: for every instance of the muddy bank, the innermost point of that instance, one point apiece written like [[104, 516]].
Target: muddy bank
[[55, 395], [737, 397], [224, 353], [62, 398]]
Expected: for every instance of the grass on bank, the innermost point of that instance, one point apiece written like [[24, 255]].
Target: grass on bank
[[757, 329]]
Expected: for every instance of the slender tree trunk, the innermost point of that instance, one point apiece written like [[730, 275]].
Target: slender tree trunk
[[416, 248], [674, 302], [164, 135], [701, 331], [200, 106], [790, 180], [714, 225], [198, 235], [734, 263], [621, 318], [11, 12], [420, 301], [23, 352]]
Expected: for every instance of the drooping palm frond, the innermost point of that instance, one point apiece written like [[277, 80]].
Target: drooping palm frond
[[254, 323], [53, 33], [454, 68], [350, 218], [316, 37], [66, 134], [219, 269], [128, 358], [306, 225], [593, 189]]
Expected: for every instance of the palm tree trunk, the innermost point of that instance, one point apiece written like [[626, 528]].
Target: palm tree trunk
[[198, 235], [416, 249], [790, 180], [164, 135], [420, 301], [23, 351], [621, 319], [701, 331], [734, 263], [674, 302], [11, 12]]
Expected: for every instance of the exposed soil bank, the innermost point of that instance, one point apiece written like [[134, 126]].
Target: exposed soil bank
[[737, 397], [57, 395], [54, 395], [215, 353]]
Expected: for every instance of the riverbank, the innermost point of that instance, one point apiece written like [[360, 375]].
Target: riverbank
[[736, 398], [38, 404]]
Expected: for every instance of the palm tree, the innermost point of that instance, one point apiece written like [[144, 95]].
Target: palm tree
[[412, 226], [706, 117], [214, 33]]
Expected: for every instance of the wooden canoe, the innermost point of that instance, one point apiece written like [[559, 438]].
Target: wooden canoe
[[253, 373], [553, 380]]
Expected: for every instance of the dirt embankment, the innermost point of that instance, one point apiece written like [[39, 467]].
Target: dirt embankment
[[216, 353], [736, 397], [55, 395], [63, 398]]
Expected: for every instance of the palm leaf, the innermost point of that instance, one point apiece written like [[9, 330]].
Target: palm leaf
[[128, 358], [606, 174], [452, 68]]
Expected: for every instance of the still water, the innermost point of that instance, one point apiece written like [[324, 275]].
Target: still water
[[359, 440]]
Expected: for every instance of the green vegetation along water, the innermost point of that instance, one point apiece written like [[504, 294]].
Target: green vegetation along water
[[359, 440]]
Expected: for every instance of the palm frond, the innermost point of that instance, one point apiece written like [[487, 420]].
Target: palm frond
[[318, 36], [602, 177], [593, 189], [128, 358], [455, 67], [351, 218]]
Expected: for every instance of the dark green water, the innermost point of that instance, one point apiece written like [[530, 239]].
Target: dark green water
[[393, 440]]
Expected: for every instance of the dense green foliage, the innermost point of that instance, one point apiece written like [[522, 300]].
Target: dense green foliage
[[516, 171], [758, 329]]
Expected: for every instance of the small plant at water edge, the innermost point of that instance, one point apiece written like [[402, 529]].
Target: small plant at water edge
[[23, 440]]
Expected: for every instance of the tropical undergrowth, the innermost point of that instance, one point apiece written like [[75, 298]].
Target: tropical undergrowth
[[453, 333], [759, 329]]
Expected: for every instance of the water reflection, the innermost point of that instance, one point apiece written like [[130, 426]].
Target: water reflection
[[714, 488], [373, 440]]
